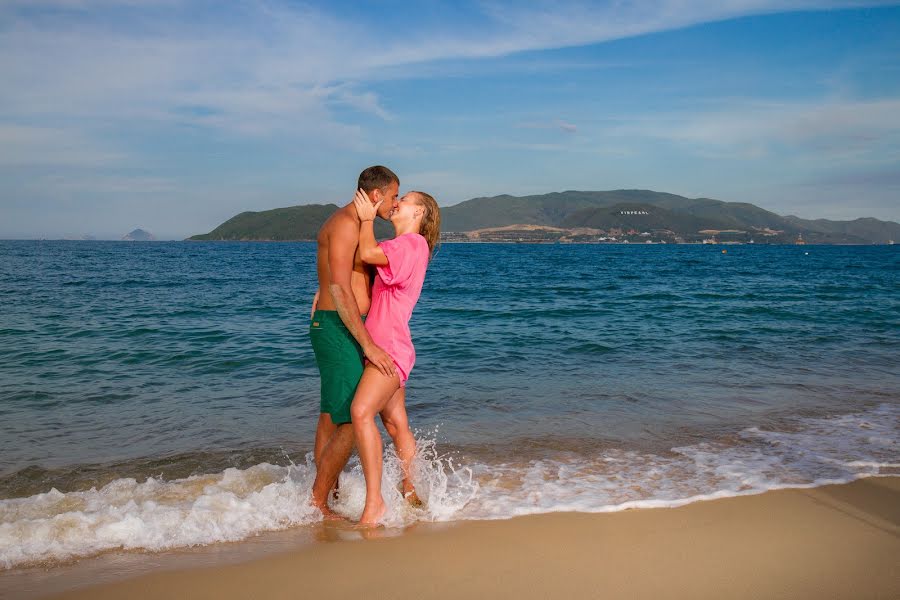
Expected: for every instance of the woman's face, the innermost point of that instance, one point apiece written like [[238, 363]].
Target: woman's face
[[406, 209]]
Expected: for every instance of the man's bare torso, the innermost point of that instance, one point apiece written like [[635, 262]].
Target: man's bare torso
[[360, 279]]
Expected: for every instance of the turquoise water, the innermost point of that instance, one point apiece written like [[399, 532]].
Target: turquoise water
[[549, 377]]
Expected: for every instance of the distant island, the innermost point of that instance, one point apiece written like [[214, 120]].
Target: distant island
[[139, 235], [619, 216]]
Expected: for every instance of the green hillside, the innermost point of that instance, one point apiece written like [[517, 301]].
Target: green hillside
[[294, 223], [670, 211], [547, 209], [642, 217], [736, 215], [641, 210], [871, 230]]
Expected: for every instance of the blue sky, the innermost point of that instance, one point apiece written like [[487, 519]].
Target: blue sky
[[173, 115]]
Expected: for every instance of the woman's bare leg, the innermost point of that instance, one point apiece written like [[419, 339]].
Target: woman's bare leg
[[395, 421], [372, 393]]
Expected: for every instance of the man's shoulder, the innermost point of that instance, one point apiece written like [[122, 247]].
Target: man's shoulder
[[340, 219], [341, 224]]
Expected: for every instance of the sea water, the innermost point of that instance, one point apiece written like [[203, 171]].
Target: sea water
[[164, 395]]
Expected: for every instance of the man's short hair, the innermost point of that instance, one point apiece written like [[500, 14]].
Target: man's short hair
[[376, 178]]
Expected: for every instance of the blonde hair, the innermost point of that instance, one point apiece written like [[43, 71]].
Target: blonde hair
[[430, 228]]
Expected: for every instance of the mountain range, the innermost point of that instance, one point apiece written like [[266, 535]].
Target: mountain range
[[627, 212]]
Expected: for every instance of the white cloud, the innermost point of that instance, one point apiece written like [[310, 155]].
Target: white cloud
[[751, 129], [245, 82], [366, 102], [275, 67], [82, 4], [553, 24], [558, 124], [107, 185], [567, 127], [272, 69], [22, 145]]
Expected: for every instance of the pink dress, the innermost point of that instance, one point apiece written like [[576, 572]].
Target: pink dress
[[394, 295]]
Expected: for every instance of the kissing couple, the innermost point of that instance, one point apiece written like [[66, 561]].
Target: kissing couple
[[360, 332]]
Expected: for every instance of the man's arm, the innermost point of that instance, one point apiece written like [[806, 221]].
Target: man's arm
[[315, 305], [341, 250]]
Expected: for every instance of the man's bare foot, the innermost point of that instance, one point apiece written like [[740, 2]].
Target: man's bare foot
[[412, 498], [372, 513], [330, 515], [327, 513]]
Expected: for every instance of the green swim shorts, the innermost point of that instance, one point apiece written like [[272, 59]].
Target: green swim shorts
[[340, 361]]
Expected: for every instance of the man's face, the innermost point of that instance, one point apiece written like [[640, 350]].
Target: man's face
[[389, 195]]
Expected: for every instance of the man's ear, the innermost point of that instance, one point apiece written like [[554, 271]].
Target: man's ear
[[376, 195]]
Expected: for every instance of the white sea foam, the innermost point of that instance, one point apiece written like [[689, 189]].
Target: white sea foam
[[227, 506], [815, 451], [236, 503], [154, 515]]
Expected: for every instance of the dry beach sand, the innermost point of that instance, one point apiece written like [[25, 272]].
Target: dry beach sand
[[837, 541]]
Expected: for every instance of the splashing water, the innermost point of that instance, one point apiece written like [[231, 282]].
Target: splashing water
[[228, 506], [443, 486]]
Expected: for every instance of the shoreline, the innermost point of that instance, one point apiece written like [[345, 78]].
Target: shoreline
[[834, 541], [506, 243]]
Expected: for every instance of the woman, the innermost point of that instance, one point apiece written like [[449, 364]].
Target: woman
[[400, 265]]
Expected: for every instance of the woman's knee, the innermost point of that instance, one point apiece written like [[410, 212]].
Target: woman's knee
[[361, 413]]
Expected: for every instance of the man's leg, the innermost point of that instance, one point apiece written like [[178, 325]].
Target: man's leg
[[334, 456], [340, 363], [324, 430]]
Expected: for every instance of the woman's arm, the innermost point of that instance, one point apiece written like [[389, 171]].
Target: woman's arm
[[369, 251]]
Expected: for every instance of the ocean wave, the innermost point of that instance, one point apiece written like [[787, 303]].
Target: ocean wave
[[807, 452], [156, 515], [236, 503]]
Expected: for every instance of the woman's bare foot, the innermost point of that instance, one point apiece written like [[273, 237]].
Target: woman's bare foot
[[372, 513]]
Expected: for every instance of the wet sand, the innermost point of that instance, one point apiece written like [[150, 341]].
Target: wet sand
[[839, 541]]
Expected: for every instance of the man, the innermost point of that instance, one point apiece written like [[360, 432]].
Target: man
[[339, 338]]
